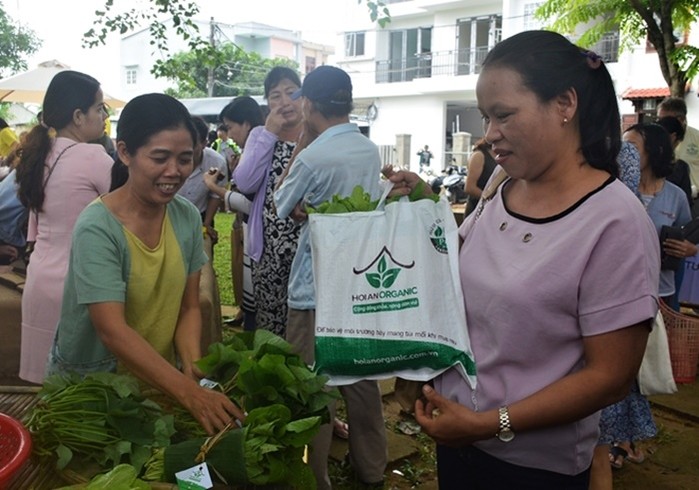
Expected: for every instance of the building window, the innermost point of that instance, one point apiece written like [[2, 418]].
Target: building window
[[354, 44], [531, 23], [131, 76], [475, 37]]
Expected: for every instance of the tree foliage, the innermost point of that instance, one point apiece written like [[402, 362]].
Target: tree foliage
[[658, 21], [235, 71], [16, 42], [157, 14]]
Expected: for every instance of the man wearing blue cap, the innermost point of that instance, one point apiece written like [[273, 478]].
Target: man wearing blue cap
[[339, 159]]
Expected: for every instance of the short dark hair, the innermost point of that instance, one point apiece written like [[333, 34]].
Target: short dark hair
[[277, 74], [676, 105], [149, 114], [656, 143], [673, 125], [549, 64], [243, 109]]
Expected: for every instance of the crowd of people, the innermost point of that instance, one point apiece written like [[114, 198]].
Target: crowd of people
[[557, 194]]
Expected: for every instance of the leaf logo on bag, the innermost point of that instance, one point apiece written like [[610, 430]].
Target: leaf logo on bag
[[383, 277], [439, 241]]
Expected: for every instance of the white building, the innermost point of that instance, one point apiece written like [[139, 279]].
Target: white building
[[417, 76], [137, 57]]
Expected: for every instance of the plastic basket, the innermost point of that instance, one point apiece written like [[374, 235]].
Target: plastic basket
[[683, 337], [15, 447]]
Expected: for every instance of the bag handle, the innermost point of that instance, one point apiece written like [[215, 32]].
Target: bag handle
[[489, 192]]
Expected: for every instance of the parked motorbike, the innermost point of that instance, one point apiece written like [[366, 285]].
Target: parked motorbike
[[454, 183]]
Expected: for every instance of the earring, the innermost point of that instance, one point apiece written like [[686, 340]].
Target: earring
[[565, 120]]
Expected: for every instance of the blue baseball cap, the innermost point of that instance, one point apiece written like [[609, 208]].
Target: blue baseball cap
[[323, 83]]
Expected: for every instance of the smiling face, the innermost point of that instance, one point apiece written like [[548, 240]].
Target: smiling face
[[279, 100], [526, 134], [159, 168]]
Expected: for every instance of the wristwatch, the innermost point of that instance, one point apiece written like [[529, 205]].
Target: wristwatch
[[505, 434]]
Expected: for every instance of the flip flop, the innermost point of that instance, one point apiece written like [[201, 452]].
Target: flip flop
[[341, 429], [616, 456]]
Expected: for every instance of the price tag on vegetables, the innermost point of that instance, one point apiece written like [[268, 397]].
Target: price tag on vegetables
[[194, 478], [208, 383]]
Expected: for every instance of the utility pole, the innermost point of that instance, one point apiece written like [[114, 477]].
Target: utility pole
[[210, 76]]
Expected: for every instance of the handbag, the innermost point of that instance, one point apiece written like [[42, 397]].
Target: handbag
[[655, 375]]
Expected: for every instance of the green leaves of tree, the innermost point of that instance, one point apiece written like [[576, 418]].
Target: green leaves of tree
[[16, 42], [657, 21]]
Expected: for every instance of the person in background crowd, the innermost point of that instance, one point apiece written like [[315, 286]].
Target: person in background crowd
[[194, 189], [272, 240], [425, 157], [8, 139], [552, 120], [226, 147], [480, 168], [57, 177], [688, 149], [665, 203], [13, 214], [132, 291], [336, 161], [680, 175], [241, 116]]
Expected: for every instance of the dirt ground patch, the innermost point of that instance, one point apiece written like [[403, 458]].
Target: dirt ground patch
[[672, 458]]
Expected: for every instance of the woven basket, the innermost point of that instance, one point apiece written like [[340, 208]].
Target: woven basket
[[683, 337]]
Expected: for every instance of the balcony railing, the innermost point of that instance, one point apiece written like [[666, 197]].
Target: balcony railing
[[426, 65]]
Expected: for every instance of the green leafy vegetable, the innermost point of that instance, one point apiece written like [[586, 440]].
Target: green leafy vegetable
[[360, 200], [103, 417]]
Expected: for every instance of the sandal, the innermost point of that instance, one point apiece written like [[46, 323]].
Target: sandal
[[617, 455], [341, 429]]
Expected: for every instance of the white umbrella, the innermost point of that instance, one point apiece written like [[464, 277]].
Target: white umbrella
[[30, 86]]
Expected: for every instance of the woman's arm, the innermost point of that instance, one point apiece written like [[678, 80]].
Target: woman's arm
[[254, 163], [213, 410], [604, 380], [475, 169]]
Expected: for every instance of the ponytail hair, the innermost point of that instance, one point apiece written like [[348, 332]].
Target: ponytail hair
[[549, 65], [68, 91]]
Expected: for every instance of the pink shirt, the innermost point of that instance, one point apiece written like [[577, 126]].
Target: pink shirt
[[532, 290]]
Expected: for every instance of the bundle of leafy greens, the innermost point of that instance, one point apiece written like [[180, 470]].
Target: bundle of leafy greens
[[360, 200], [267, 450], [103, 417], [286, 403]]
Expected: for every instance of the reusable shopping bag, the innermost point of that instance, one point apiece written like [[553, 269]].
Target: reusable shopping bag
[[655, 375], [388, 294]]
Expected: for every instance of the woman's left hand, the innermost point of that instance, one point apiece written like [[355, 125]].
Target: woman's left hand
[[449, 423], [679, 248]]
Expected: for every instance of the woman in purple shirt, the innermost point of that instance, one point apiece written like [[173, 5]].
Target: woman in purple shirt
[[272, 241], [559, 270]]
